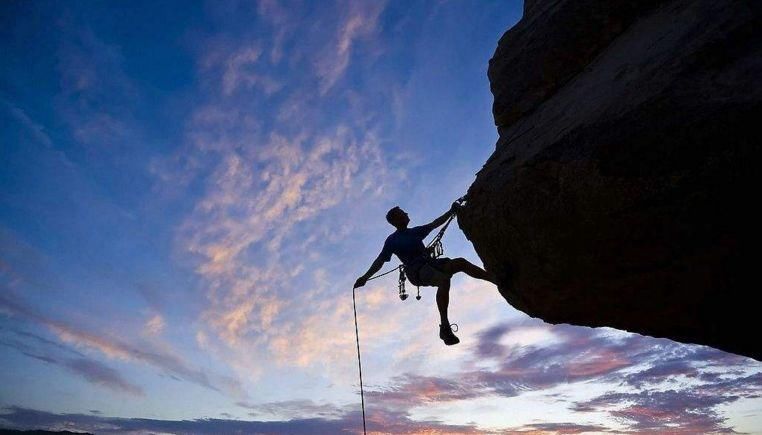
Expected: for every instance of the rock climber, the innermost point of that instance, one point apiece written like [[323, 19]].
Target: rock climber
[[420, 268]]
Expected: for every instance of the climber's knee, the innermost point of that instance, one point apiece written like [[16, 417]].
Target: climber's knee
[[456, 265]]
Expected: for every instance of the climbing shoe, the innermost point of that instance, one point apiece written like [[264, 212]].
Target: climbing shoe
[[446, 334]]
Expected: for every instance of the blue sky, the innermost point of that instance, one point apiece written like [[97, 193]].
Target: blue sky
[[189, 190]]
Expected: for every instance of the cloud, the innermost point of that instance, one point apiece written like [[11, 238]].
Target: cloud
[[244, 230], [276, 181], [46, 342], [680, 411], [91, 370], [101, 374], [36, 130], [580, 354], [240, 72], [116, 348], [360, 20], [96, 94], [155, 325], [655, 384], [417, 390], [349, 422], [278, 16], [289, 408], [557, 429]]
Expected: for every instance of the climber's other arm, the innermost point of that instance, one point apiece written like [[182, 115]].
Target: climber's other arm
[[375, 267]]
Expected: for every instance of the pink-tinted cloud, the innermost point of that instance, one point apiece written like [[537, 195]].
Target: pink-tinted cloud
[[675, 411], [636, 368], [154, 325], [91, 370], [116, 348], [558, 429], [414, 390]]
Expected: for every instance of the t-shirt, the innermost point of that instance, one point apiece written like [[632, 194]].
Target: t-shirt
[[407, 245]]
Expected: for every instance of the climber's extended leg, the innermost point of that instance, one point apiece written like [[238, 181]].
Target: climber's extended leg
[[443, 301], [459, 264]]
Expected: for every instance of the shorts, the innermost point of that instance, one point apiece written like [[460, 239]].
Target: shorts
[[430, 274]]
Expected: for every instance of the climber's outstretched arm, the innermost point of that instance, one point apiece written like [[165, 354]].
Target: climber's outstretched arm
[[375, 267], [429, 227]]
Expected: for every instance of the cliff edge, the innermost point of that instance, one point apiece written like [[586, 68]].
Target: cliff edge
[[622, 191]]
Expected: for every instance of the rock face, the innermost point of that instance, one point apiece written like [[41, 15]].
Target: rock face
[[623, 188]]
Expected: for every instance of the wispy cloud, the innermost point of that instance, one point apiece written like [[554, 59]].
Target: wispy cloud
[[96, 94], [277, 14], [273, 190], [154, 325], [417, 390], [115, 348], [289, 408], [89, 369], [360, 20], [101, 374], [47, 342], [240, 72], [36, 130]]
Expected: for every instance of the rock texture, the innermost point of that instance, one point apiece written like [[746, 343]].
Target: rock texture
[[623, 188]]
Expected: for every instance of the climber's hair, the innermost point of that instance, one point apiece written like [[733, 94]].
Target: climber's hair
[[391, 213]]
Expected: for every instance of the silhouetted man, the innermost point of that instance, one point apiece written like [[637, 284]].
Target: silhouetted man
[[420, 268]]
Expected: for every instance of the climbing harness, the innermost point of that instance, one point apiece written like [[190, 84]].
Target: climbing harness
[[434, 250]]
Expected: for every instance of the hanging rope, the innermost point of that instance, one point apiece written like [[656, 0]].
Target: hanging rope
[[385, 273], [359, 361]]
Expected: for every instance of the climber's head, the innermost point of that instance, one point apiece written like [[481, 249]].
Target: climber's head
[[398, 218]]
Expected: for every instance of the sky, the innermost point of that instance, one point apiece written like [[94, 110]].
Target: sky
[[189, 190]]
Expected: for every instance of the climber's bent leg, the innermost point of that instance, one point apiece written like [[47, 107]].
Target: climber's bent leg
[[456, 265]]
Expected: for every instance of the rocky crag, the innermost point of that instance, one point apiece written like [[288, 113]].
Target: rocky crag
[[622, 191]]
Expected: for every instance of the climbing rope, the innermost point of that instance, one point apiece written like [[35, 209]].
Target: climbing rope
[[359, 361], [385, 273]]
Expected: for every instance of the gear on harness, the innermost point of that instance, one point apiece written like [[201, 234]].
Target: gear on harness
[[401, 283]]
